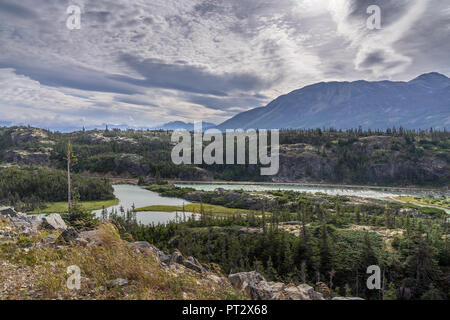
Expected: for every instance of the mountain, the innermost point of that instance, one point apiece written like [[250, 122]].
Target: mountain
[[180, 125], [423, 102]]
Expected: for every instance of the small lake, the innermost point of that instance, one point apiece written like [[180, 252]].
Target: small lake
[[140, 197]]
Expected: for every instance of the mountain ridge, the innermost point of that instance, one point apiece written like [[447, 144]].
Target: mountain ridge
[[344, 105]]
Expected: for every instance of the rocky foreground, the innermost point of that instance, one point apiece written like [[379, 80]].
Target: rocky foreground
[[35, 252]]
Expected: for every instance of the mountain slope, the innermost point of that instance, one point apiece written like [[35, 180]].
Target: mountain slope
[[180, 125], [420, 103]]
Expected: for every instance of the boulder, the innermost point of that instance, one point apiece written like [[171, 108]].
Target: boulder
[[24, 222], [295, 293], [8, 212], [92, 238], [193, 264], [35, 221], [50, 239], [346, 298], [140, 245], [177, 257], [119, 282], [149, 249], [53, 222], [69, 235], [309, 292], [253, 284]]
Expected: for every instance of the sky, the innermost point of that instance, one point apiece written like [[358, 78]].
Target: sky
[[142, 63]]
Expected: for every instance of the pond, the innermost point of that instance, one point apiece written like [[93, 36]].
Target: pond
[[140, 197]]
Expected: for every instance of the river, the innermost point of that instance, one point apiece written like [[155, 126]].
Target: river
[[140, 197], [383, 193]]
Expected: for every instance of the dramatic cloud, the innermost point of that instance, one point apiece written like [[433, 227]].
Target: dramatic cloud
[[142, 63]]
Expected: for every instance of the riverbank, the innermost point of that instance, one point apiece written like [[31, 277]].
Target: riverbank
[[196, 208], [61, 207], [414, 189]]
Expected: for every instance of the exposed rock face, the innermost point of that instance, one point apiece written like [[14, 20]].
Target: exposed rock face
[[26, 157], [26, 223], [254, 285], [53, 222], [176, 258], [8, 211]]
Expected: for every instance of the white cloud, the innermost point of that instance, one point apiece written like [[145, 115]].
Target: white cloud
[[272, 47]]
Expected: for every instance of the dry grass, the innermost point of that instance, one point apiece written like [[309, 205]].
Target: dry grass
[[100, 264]]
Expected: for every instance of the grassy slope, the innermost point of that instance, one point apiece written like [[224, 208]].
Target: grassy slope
[[431, 201], [47, 267]]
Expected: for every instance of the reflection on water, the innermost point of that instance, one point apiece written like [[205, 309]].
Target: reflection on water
[[129, 195]]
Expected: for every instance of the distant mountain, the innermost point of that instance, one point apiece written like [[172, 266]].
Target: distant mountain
[[180, 125], [420, 103]]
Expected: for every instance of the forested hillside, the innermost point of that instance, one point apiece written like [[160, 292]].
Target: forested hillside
[[324, 240], [33, 187], [391, 157]]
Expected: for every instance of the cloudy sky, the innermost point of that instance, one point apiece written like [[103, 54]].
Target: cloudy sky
[[146, 62]]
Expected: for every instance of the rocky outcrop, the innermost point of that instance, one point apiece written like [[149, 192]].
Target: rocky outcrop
[[255, 286], [53, 222], [68, 235], [26, 157], [26, 223], [176, 258], [33, 222], [346, 298]]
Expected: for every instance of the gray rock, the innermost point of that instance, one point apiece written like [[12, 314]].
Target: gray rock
[[81, 241], [8, 211], [50, 239], [147, 248], [295, 293], [53, 222], [193, 266], [346, 298], [69, 235], [92, 237], [35, 221], [141, 244], [253, 284], [119, 282], [177, 257], [309, 292]]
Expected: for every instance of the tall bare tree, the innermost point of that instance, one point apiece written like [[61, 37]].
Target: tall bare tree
[[71, 158]]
